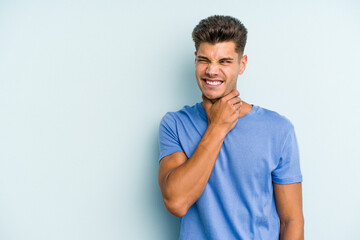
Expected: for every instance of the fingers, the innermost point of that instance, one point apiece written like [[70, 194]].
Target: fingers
[[231, 97], [236, 103], [238, 106], [234, 100], [232, 94]]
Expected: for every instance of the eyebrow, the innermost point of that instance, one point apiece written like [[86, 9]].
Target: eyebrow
[[228, 58], [202, 57], [222, 59]]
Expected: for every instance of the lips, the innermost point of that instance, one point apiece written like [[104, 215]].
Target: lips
[[212, 82]]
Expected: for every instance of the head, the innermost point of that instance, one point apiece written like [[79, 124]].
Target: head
[[219, 59]]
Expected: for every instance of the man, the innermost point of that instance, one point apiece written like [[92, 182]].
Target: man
[[228, 169]]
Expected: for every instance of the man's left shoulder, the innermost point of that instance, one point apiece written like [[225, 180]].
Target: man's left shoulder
[[275, 119]]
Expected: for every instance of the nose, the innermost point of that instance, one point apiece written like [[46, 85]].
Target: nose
[[212, 69]]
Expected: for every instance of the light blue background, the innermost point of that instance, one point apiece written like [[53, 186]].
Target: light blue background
[[84, 84]]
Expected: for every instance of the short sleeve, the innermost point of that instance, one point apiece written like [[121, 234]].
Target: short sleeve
[[168, 137], [288, 170]]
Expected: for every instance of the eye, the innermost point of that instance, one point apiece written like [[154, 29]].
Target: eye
[[225, 61], [202, 60]]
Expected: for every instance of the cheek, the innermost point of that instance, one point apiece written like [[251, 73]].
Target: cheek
[[200, 69], [232, 73]]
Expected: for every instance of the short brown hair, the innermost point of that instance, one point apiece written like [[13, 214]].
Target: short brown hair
[[219, 28]]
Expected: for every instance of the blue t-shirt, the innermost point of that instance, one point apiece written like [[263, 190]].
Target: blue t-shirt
[[238, 200]]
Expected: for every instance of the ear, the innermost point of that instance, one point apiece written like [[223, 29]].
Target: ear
[[243, 62], [195, 56]]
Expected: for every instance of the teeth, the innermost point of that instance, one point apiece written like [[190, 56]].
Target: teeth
[[213, 82]]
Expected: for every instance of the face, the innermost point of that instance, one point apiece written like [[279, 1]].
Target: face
[[217, 67]]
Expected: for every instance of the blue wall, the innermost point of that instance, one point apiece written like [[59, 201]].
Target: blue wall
[[84, 84]]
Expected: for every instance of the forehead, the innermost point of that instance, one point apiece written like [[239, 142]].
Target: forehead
[[217, 50]]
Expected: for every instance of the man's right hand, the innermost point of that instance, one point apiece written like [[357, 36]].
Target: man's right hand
[[225, 112]]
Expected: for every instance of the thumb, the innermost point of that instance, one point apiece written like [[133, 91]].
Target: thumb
[[207, 104]]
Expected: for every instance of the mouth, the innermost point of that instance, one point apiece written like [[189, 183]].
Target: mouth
[[212, 83]]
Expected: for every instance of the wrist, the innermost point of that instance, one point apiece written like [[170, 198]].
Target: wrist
[[218, 131]]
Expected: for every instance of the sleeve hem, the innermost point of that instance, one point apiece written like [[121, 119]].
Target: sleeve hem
[[168, 152], [288, 180]]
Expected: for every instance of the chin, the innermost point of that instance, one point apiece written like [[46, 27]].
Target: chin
[[213, 97]]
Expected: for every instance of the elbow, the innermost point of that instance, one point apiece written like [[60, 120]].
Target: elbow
[[299, 222], [176, 208]]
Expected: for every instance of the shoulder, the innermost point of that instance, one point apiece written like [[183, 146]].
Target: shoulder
[[274, 120], [184, 113], [280, 129]]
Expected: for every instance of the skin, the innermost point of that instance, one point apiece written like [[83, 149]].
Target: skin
[[182, 180]]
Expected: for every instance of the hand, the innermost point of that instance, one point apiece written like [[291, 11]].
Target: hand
[[225, 112]]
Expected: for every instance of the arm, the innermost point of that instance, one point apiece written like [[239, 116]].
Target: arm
[[183, 180], [288, 199]]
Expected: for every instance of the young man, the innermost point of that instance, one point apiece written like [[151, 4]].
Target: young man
[[228, 169]]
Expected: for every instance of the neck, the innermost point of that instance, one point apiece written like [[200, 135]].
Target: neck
[[245, 108], [214, 100]]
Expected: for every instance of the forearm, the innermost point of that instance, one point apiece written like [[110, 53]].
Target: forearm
[[292, 230], [185, 184]]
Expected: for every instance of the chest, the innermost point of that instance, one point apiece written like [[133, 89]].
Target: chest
[[248, 151]]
